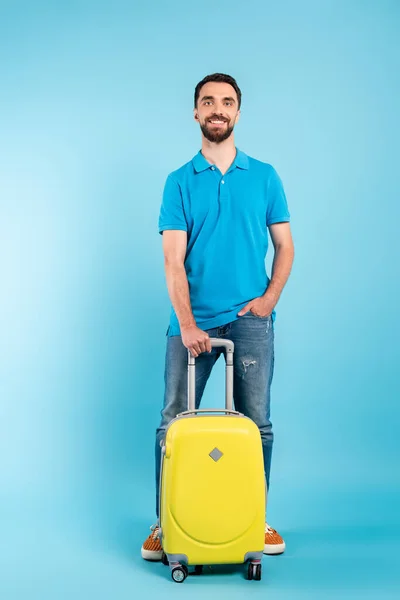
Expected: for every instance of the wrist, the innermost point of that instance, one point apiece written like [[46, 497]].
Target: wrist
[[270, 292], [271, 296], [188, 324]]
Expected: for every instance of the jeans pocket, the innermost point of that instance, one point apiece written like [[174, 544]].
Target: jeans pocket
[[258, 317]]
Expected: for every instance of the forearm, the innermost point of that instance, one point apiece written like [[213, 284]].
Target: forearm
[[281, 267], [178, 289]]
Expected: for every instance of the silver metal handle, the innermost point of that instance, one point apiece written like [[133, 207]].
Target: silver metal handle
[[229, 349], [210, 410]]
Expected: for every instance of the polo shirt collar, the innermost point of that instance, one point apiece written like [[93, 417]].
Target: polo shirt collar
[[200, 163]]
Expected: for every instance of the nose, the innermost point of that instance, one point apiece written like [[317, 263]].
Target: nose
[[219, 108]]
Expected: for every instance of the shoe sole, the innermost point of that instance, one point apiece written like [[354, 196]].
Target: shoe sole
[[151, 554], [273, 549]]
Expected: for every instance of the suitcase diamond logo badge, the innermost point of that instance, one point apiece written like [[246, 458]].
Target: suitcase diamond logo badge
[[216, 454]]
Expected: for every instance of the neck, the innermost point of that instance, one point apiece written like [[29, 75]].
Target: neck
[[223, 153]]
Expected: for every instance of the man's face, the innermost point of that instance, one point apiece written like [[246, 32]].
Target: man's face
[[217, 111]]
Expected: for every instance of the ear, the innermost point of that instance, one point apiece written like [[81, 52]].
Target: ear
[[196, 116], [237, 117]]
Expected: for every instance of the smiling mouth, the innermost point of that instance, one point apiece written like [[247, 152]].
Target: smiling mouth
[[217, 122]]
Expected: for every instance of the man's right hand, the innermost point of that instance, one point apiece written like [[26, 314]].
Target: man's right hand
[[196, 340]]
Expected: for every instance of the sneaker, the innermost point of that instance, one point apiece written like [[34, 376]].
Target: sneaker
[[274, 543], [152, 549]]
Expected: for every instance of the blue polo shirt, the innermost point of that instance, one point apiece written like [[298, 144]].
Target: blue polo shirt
[[226, 218]]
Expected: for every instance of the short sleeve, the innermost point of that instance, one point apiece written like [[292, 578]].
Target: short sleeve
[[172, 214], [277, 208]]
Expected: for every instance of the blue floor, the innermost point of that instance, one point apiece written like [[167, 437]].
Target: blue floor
[[41, 563]]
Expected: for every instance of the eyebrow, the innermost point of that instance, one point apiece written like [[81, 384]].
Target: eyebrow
[[212, 98]]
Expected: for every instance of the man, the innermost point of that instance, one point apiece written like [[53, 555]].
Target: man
[[215, 216]]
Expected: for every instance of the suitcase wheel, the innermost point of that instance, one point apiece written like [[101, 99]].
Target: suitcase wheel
[[179, 574], [164, 559], [254, 572]]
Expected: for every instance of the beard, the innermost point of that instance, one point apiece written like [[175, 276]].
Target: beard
[[216, 134]]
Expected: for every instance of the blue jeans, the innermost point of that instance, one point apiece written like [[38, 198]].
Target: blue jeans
[[253, 370]]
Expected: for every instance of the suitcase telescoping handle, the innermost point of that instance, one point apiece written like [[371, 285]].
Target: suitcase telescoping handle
[[229, 348]]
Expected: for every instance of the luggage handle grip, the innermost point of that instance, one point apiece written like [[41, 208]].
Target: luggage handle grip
[[210, 410], [229, 348]]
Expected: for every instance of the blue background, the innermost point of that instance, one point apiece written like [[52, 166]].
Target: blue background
[[96, 110]]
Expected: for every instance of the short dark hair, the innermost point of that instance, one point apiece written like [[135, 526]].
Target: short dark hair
[[218, 77]]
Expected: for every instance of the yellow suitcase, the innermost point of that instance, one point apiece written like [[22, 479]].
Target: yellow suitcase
[[212, 485]]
